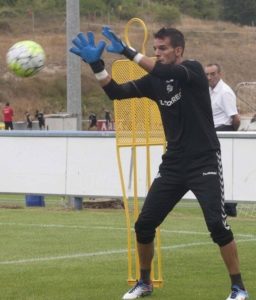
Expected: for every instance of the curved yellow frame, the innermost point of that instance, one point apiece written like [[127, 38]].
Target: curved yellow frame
[[126, 33], [123, 70]]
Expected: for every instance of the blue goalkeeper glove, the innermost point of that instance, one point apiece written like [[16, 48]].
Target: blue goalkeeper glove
[[89, 52], [117, 45]]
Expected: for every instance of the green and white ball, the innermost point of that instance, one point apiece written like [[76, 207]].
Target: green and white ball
[[25, 58]]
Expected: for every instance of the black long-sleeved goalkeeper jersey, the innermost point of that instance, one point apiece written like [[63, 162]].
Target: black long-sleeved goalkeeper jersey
[[182, 95]]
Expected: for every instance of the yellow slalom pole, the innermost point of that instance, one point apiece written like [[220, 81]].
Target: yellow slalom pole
[[138, 124], [127, 217], [157, 281], [148, 168]]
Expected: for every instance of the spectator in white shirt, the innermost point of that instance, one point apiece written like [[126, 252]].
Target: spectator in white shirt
[[223, 99]]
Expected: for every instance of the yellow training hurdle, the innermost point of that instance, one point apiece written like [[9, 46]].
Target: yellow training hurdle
[[138, 124]]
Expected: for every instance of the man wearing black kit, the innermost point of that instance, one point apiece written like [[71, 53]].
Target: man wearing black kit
[[192, 160]]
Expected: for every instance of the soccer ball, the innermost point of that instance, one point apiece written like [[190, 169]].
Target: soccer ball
[[25, 58]]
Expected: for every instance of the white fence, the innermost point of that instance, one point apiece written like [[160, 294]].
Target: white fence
[[84, 164]]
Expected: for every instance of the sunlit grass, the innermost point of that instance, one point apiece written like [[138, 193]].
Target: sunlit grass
[[57, 253]]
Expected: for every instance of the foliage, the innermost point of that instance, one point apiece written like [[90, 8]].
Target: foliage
[[205, 9], [97, 7], [127, 9], [242, 12], [33, 5], [167, 14], [7, 2]]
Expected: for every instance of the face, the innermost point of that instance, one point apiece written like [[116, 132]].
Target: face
[[165, 53], [213, 75]]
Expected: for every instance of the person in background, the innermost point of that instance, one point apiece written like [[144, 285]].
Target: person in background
[[28, 120], [192, 160], [41, 121], [92, 121], [224, 109], [107, 118], [8, 116]]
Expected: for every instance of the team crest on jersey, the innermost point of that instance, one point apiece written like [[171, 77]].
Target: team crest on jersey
[[169, 88], [169, 85]]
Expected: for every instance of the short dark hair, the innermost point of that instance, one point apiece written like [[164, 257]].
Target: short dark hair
[[176, 37], [215, 65]]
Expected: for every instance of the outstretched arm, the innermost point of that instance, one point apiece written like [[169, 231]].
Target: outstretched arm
[[118, 46], [85, 47], [157, 69]]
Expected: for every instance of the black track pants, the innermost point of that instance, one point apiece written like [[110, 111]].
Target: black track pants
[[202, 175]]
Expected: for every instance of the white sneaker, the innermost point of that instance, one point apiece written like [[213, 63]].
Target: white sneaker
[[237, 294], [139, 290]]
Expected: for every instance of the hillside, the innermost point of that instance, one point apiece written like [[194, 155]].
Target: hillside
[[207, 41]]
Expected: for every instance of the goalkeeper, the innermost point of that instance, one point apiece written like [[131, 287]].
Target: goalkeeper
[[192, 160]]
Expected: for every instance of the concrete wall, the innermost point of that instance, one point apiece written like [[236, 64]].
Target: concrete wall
[[84, 163]]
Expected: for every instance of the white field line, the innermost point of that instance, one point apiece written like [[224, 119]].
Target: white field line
[[104, 253], [204, 233], [61, 226], [111, 228]]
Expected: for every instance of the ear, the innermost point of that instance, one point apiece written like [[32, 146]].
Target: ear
[[179, 51]]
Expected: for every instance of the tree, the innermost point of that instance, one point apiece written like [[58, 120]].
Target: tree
[[97, 7], [237, 11], [168, 14], [127, 9], [7, 2]]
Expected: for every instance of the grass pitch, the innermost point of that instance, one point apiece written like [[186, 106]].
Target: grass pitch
[[54, 253]]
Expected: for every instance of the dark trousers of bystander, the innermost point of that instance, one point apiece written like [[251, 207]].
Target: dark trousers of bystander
[[8, 125]]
